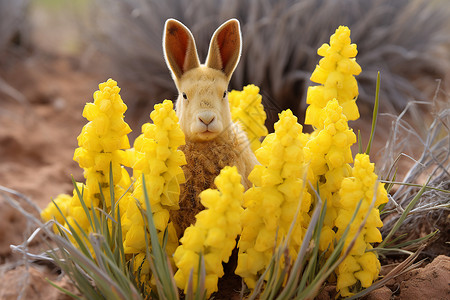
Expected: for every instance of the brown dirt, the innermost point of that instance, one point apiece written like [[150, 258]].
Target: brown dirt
[[430, 282], [37, 140], [12, 224], [31, 284]]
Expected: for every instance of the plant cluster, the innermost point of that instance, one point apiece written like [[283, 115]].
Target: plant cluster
[[247, 109], [309, 216], [214, 234]]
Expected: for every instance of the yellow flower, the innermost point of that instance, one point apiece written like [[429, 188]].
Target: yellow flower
[[135, 239], [102, 141], [156, 158], [101, 144], [247, 109], [361, 186], [328, 150], [271, 204], [214, 233], [335, 73]]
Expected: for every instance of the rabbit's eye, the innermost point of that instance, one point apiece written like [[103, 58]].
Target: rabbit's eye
[[224, 94], [184, 96]]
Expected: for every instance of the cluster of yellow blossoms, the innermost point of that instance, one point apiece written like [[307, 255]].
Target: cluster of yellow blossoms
[[101, 145], [335, 73], [289, 158], [214, 234], [155, 157], [247, 109], [101, 141], [271, 204], [157, 160], [329, 155], [360, 265], [332, 104], [328, 151]]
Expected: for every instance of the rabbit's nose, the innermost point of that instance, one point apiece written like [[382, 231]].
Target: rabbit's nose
[[206, 119]]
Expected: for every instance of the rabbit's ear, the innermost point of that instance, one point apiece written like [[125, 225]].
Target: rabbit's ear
[[225, 48], [179, 48]]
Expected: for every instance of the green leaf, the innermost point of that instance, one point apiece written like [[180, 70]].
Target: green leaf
[[405, 214], [375, 114], [360, 150], [161, 267]]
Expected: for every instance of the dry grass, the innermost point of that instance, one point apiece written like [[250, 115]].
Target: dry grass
[[431, 166], [13, 35]]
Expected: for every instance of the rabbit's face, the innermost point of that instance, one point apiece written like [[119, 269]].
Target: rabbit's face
[[202, 105]]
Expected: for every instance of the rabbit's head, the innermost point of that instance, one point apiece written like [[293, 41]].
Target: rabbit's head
[[202, 105]]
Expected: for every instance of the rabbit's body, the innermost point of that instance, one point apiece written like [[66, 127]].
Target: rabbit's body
[[213, 141], [204, 162]]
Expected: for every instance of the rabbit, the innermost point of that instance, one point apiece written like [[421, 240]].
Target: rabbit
[[213, 140]]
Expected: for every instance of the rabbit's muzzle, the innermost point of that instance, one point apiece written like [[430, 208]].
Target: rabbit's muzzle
[[206, 118], [206, 125]]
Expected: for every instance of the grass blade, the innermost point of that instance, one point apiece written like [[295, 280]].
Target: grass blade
[[404, 214], [375, 114]]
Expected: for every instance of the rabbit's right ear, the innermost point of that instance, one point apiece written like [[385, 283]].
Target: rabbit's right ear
[[179, 48], [225, 48]]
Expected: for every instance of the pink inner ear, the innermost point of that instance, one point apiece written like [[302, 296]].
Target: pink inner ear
[[177, 43], [227, 41]]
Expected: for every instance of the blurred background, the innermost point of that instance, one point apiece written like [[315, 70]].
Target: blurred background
[[406, 40], [54, 53]]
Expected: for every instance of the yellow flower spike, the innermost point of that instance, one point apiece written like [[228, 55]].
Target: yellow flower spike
[[214, 233], [270, 205], [247, 109], [335, 73], [157, 158], [328, 150], [102, 141], [360, 186]]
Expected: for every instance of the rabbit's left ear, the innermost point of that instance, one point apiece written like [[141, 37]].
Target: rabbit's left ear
[[225, 48], [179, 48]]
